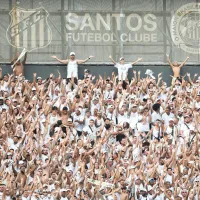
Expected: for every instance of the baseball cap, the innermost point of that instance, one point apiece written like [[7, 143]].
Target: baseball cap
[[19, 117], [56, 129], [110, 106], [86, 70], [43, 120], [34, 98], [96, 99], [64, 190], [72, 54], [122, 58], [197, 179], [140, 108], [132, 97], [158, 99], [69, 120], [57, 89], [134, 105], [65, 108], [85, 129], [21, 162]]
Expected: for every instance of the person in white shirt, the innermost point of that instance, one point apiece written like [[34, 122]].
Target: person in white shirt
[[72, 66], [133, 117], [197, 101], [158, 195], [109, 93], [91, 130], [4, 84], [185, 128], [2, 105], [156, 113], [123, 68], [167, 115], [122, 116], [87, 118], [78, 120], [111, 113]]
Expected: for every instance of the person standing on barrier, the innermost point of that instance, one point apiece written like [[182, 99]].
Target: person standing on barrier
[[123, 68], [72, 66], [176, 68], [18, 66]]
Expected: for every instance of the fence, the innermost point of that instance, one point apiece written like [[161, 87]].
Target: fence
[[129, 28]]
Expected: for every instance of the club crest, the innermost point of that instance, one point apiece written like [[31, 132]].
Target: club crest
[[29, 29]]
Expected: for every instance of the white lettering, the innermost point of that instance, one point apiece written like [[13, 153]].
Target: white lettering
[[105, 24], [70, 18], [117, 18], [154, 37], [90, 37], [98, 37], [123, 37], [149, 19], [106, 37], [84, 24], [139, 22], [146, 38]]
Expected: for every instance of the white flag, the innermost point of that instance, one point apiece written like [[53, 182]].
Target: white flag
[[104, 184], [20, 56]]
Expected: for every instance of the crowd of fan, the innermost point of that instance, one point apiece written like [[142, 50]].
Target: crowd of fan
[[100, 138]]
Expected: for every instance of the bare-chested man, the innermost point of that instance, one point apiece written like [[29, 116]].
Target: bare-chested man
[[18, 68], [176, 68]]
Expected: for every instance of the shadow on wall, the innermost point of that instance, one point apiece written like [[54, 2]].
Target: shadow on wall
[[45, 70]]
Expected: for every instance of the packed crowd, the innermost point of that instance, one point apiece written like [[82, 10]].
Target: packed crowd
[[99, 137]]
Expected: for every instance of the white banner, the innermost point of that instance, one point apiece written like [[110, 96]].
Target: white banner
[[20, 56], [104, 184]]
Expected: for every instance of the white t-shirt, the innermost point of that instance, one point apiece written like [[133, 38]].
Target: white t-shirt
[[4, 106], [155, 116], [4, 86], [185, 131], [78, 127], [167, 117], [133, 119], [91, 132], [108, 94], [72, 69], [111, 116], [123, 70], [160, 197], [168, 178], [1, 194], [197, 104], [122, 118], [87, 120], [26, 198], [53, 119]]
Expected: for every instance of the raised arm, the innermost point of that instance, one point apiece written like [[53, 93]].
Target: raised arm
[[15, 58], [25, 56], [136, 61], [0, 73], [183, 63], [112, 60], [168, 60], [83, 61], [59, 60]]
